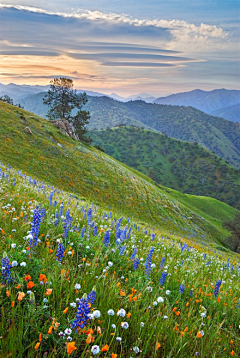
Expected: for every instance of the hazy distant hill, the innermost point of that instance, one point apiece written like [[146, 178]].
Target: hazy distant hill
[[231, 113], [183, 166], [185, 123], [206, 101]]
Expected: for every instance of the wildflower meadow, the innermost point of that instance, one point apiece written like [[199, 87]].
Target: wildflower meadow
[[80, 280]]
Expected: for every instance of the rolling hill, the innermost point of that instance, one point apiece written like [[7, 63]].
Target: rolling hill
[[184, 123], [52, 156], [84, 272], [205, 101], [183, 166], [231, 113]]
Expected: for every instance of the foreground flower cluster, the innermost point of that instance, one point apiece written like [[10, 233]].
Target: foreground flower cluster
[[77, 280]]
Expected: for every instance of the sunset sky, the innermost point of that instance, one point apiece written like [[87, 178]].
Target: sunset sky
[[126, 47]]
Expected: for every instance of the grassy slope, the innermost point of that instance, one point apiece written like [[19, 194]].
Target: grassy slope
[[180, 165], [89, 173], [161, 323]]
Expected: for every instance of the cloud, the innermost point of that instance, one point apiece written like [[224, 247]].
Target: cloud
[[108, 48]]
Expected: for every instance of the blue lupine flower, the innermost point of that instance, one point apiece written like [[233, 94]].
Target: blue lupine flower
[[5, 269], [163, 278], [204, 256], [133, 254], [106, 238], [162, 263], [149, 262], [136, 263], [89, 218], [122, 249], [35, 227], [92, 296], [55, 203], [60, 252], [181, 288], [82, 231], [82, 313], [43, 214], [56, 221], [216, 289], [191, 293], [50, 198], [95, 231]]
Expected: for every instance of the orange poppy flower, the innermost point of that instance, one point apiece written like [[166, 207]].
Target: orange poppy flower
[[37, 345], [50, 329], [158, 346], [105, 348], [66, 309], [48, 292], [40, 337], [13, 303], [42, 277], [30, 284], [114, 355], [128, 315], [27, 277], [71, 347], [199, 335], [8, 293], [20, 296]]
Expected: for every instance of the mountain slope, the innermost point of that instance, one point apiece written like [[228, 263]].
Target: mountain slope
[[231, 113], [184, 123], [183, 166], [206, 101], [81, 169]]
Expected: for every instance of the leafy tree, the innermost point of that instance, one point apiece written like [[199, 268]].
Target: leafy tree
[[6, 99], [234, 227], [66, 104]]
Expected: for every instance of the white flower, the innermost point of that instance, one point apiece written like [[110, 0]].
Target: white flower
[[142, 324], [168, 292], [69, 253], [110, 264], [203, 314], [23, 264], [45, 300], [136, 349], [91, 316], [77, 286], [95, 349], [154, 303], [202, 333], [165, 317], [153, 266], [29, 237], [160, 300], [125, 325], [110, 312], [96, 314], [121, 312], [113, 326], [73, 304], [24, 251], [87, 247], [118, 339], [68, 331], [14, 263], [13, 246], [69, 339]]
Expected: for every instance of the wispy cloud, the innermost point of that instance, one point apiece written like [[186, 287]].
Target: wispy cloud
[[106, 47]]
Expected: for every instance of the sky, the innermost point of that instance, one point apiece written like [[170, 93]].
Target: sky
[[126, 47]]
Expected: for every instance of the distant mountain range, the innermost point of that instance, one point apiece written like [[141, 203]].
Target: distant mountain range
[[206, 101], [183, 166], [231, 113]]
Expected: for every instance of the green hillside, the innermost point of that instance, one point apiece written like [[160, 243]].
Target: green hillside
[[183, 166], [83, 271], [89, 173], [184, 123]]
